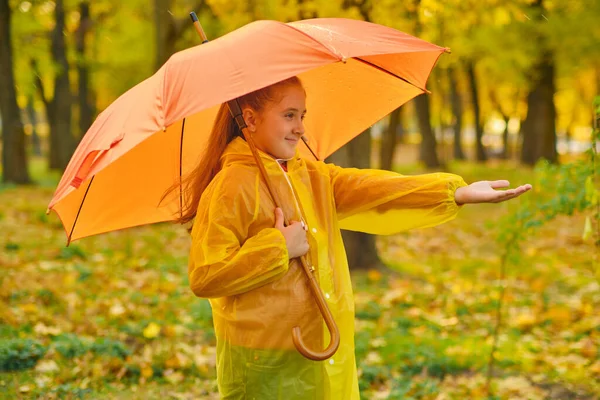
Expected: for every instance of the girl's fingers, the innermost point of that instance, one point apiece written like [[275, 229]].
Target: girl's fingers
[[499, 184], [511, 194]]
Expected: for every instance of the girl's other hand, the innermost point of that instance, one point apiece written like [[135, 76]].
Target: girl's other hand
[[294, 234]]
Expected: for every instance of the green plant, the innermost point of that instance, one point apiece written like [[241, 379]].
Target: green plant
[[20, 354], [568, 189], [69, 345], [110, 347]]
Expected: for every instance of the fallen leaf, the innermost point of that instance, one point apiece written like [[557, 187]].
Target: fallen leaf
[[46, 366], [151, 331]]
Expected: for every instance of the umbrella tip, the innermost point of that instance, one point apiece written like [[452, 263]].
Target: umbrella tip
[[447, 50], [48, 211]]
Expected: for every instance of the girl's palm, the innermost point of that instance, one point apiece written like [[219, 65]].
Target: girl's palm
[[485, 192]]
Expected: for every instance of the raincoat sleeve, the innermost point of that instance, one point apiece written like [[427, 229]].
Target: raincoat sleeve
[[224, 261], [384, 202]]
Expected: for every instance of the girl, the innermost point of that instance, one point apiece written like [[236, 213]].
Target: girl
[[245, 260]]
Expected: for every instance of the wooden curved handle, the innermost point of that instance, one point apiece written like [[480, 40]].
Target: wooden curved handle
[[314, 286], [334, 332]]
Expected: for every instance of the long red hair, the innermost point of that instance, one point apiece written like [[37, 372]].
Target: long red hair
[[224, 130]]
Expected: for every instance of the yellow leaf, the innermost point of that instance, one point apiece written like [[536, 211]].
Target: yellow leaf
[[393, 296], [151, 331], [595, 368], [525, 321], [179, 360], [147, 371], [42, 329], [47, 366], [29, 307], [167, 287], [374, 275], [531, 251], [69, 279], [174, 378], [170, 331], [117, 309], [589, 349], [539, 285], [587, 229], [559, 315]]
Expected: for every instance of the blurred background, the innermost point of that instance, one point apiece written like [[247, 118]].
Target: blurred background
[[503, 302]]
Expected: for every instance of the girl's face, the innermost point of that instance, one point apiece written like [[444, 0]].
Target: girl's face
[[277, 128]]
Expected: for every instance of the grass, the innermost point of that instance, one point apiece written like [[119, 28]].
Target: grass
[[118, 321]]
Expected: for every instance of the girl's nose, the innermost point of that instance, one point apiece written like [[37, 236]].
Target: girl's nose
[[299, 129]]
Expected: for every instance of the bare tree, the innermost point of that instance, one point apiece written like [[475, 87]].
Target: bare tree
[[389, 139], [86, 108], [14, 157], [169, 28], [457, 111], [539, 127], [480, 150], [58, 106]]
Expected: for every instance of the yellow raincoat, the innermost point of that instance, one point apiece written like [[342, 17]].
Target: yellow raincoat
[[240, 262]]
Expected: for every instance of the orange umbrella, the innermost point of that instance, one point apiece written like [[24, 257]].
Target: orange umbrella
[[354, 73]]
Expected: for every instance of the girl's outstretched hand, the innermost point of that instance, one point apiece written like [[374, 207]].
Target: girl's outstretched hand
[[294, 234], [485, 192]]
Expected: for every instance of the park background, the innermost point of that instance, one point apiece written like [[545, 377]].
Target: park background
[[501, 303]]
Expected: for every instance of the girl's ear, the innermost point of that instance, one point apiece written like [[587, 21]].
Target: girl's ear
[[250, 118]]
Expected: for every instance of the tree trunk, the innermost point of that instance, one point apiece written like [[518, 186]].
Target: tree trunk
[[389, 139], [428, 142], [62, 143], [480, 151], [539, 129], [457, 111], [36, 145], [14, 157], [360, 247], [505, 155], [86, 111], [506, 118], [169, 29], [163, 23]]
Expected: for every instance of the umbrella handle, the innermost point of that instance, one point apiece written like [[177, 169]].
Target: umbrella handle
[[334, 331]]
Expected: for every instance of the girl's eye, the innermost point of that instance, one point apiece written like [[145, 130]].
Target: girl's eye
[[289, 115], [302, 117]]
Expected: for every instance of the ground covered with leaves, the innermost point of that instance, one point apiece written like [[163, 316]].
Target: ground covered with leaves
[[112, 317]]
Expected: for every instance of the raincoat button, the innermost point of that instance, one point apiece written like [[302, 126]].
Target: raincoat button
[[327, 295], [331, 361], [314, 230]]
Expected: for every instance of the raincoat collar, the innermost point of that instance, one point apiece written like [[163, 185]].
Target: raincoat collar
[[238, 152]]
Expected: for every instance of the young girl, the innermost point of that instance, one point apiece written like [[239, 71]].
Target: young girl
[[245, 260]]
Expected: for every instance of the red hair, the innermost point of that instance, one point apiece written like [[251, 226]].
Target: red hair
[[224, 130]]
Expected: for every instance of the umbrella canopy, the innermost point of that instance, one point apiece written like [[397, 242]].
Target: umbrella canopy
[[354, 73]]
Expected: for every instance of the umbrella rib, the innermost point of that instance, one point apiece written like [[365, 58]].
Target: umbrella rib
[[391, 73], [338, 56], [79, 211], [180, 169]]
